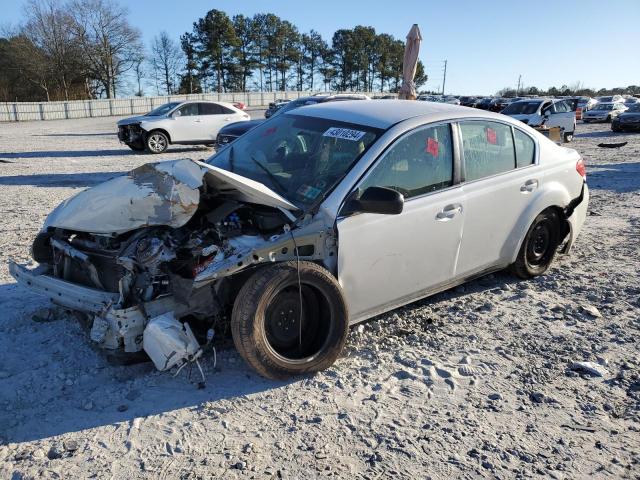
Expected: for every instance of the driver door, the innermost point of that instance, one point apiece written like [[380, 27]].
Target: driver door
[[185, 125], [561, 115], [385, 261]]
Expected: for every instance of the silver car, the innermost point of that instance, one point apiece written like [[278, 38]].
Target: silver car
[[186, 123], [604, 112], [310, 222]]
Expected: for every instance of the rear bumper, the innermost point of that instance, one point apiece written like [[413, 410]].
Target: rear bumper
[[577, 214], [113, 327]]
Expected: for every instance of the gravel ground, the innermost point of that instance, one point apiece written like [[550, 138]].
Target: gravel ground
[[475, 382]]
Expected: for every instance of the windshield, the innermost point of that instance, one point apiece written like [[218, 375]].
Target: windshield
[[634, 108], [163, 109], [605, 99], [301, 158], [603, 106], [521, 108]]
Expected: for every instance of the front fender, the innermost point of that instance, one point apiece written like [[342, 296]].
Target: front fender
[[551, 194]]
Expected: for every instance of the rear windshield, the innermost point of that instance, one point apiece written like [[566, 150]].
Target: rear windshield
[[522, 108], [603, 106], [634, 108]]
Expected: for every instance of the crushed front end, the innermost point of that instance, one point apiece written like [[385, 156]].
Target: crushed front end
[[186, 251]]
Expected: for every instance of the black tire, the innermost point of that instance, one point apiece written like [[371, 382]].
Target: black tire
[[539, 246], [608, 119], [265, 323], [136, 147], [568, 137], [156, 142], [615, 128]]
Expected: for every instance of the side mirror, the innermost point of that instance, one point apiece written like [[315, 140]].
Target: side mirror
[[381, 200]]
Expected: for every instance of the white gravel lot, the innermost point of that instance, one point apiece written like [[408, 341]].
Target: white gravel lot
[[472, 383]]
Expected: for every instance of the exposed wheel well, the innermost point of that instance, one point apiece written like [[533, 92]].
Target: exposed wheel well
[[565, 227], [162, 130]]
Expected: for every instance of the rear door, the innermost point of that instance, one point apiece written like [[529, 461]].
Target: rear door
[[562, 115], [387, 260], [213, 117], [497, 190]]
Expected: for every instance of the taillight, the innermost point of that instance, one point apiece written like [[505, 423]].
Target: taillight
[[581, 168]]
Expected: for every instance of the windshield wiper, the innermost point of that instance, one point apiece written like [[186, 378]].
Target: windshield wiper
[[273, 178]]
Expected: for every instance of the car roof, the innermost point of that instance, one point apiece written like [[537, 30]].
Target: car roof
[[378, 114]]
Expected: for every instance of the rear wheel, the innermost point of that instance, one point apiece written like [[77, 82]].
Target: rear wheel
[[157, 142], [608, 118], [539, 246], [281, 330], [568, 137]]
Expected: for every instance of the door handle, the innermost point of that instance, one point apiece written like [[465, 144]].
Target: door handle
[[448, 212], [529, 186]]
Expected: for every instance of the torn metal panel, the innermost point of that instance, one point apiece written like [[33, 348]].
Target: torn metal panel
[[244, 189]]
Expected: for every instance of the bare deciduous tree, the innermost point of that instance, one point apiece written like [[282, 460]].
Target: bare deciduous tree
[[110, 44], [166, 58]]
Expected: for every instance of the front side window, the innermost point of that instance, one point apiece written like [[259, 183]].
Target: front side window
[[561, 107], [301, 158], [189, 110], [525, 148], [418, 163], [163, 109], [487, 148]]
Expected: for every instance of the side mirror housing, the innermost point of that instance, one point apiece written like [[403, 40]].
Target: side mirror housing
[[381, 200]]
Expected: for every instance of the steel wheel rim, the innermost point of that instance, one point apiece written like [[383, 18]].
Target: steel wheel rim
[[540, 245]]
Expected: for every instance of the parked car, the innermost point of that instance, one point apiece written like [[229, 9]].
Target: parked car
[[275, 106], [540, 111], [190, 123], [230, 132], [485, 103], [603, 112], [585, 103], [498, 104], [318, 219], [629, 101], [610, 99], [468, 101], [627, 120], [451, 100]]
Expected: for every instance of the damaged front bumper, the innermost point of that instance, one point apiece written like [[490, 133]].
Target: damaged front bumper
[[113, 327]]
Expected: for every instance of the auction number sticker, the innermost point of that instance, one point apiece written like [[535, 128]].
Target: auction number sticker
[[344, 133]]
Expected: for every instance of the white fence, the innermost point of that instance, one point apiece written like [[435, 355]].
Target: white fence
[[25, 111]]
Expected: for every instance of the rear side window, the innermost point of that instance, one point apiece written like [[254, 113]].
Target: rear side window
[[525, 148], [488, 149], [418, 163], [214, 109]]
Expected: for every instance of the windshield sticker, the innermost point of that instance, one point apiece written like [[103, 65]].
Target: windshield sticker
[[269, 131], [432, 147], [344, 133], [307, 191], [492, 136]]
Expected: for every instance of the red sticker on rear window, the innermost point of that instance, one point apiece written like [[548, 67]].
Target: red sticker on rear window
[[432, 146], [269, 131], [492, 136]]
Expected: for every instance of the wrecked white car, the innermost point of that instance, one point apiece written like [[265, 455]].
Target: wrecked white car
[[312, 221]]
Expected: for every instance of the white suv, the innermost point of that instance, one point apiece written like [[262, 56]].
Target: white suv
[[191, 123]]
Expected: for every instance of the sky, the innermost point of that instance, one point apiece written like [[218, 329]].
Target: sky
[[487, 44]]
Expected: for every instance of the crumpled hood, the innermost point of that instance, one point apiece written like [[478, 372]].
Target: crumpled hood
[[155, 194], [138, 119]]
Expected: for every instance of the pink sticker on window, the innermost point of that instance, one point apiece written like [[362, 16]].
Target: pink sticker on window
[[492, 136], [269, 131], [432, 147]]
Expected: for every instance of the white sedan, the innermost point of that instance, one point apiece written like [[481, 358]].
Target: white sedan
[[315, 220], [189, 123]]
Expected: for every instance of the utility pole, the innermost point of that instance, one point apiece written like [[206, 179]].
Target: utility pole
[[444, 78], [518, 89]]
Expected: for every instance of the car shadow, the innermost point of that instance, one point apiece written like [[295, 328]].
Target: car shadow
[[94, 153], [53, 382], [603, 133], [59, 179]]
